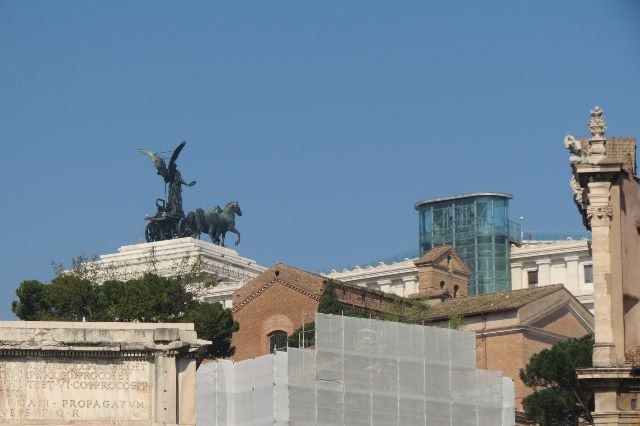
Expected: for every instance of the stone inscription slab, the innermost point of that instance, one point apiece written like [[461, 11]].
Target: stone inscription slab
[[75, 391]]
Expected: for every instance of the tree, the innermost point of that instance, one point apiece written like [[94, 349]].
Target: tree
[[150, 298], [558, 397], [32, 301], [303, 338], [329, 303], [213, 322], [70, 298]]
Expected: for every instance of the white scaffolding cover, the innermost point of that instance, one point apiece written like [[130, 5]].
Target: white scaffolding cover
[[362, 372]]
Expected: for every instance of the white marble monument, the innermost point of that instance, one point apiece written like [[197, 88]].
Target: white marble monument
[[225, 267]]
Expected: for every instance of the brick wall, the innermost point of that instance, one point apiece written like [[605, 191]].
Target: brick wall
[[277, 308], [429, 279]]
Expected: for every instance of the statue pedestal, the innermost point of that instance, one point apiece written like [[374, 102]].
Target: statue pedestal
[[223, 268]]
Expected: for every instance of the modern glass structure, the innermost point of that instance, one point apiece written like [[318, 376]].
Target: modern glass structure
[[477, 226]]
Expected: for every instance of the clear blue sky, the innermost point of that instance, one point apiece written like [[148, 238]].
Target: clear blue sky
[[327, 120]]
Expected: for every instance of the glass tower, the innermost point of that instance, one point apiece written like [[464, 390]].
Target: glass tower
[[477, 226]]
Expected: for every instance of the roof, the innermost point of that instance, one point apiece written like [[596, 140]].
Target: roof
[[433, 254], [304, 282], [438, 254], [469, 195], [494, 302], [298, 279]]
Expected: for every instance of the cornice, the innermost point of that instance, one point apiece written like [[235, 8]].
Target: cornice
[[257, 292]]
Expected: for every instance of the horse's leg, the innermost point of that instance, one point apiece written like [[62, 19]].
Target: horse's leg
[[235, 231], [215, 236], [224, 234]]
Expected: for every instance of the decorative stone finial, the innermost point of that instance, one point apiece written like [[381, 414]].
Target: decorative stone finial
[[597, 142], [597, 124]]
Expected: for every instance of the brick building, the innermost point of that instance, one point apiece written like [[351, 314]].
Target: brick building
[[442, 274], [512, 326], [277, 302]]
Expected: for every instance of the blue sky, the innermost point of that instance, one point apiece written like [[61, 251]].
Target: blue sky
[[326, 120]]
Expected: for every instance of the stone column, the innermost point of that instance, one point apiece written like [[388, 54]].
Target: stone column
[[573, 275], [516, 276], [410, 285], [384, 286], [599, 214], [544, 271]]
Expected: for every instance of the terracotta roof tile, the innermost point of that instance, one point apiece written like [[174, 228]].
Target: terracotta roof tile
[[495, 302], [436, 254], [433, 254]]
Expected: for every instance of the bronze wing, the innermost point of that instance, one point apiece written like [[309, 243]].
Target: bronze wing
[[157, 161]]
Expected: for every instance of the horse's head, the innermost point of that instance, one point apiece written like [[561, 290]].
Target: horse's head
[[234, 207]]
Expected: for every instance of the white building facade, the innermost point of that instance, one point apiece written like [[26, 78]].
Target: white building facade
[[539, 263], [533, 264]]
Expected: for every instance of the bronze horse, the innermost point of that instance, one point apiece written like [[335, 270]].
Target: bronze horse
[[216, 222]]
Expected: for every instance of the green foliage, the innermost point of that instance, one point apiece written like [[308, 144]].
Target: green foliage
[[70, 298], [414, 311], [404, 310], [32, 301], [329, 303], [215, 323], [354, 313], [455, 321], [296, 339], [558, 397], [150, 298]]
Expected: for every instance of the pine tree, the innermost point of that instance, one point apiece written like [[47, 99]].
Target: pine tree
[[329, 303], [558, 397]]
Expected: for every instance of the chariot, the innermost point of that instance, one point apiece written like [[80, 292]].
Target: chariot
[[166, 225]]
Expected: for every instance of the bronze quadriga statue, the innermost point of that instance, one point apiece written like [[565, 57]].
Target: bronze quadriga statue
[[170, 221]]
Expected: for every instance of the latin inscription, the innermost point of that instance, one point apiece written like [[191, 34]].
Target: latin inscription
[[87, 391]]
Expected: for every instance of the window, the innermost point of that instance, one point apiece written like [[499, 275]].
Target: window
[[634, 404], [588, 274], [455, 290], [277, 341], [442, 284], [532, 278]]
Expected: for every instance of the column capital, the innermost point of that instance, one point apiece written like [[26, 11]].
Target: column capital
[[599, 213]]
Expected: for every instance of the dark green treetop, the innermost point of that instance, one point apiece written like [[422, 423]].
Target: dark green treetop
[[150, 298], [558, 397], [329, 303]]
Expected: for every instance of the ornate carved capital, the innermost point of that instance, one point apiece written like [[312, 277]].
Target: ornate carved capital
[[599, 212]]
